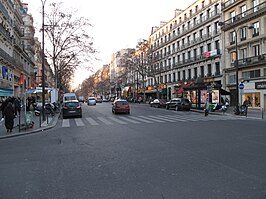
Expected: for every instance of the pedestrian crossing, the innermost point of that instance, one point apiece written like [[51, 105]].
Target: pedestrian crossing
[[143, 119]]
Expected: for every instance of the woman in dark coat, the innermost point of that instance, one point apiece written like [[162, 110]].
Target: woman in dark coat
[[9, 117]]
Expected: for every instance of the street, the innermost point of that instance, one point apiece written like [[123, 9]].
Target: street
[[151, 153]]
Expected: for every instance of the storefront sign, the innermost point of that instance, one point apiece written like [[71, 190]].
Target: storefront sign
[[260, 85]]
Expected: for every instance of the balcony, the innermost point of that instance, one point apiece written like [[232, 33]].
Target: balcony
[[5, 33], [250, 61], [259, 10], [4, 11]]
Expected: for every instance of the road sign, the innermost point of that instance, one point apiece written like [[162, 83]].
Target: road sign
[[241, 86]]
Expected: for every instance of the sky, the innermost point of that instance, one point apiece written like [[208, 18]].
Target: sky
[[117, 24]]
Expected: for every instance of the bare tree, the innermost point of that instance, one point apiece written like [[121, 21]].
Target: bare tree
[[70, 42]]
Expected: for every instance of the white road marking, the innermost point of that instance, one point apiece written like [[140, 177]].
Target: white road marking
[[140, 119], [65, 123], [79, 122], [117, 120], [129, 120], [104, 120], [92, 121]]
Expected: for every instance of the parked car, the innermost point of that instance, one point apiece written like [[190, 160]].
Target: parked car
[[120, 106], [71, 108], [158, 103], [91, 101], [178, 104], [99, 100], [105, 100]]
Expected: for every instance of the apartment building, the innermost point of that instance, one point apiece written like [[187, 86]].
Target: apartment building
[[244, 36], [16, 64], [185, 55]]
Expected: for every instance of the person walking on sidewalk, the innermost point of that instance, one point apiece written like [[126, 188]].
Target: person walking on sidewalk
[[9, 117]]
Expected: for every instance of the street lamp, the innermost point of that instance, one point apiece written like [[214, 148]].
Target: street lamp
[[222, 24], [43, 60]]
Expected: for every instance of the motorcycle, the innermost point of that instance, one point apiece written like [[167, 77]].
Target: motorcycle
[[48, 108]]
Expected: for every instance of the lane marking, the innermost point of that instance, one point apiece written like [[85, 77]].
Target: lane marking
[[92, 121], [105, 121], [65, 123], [117, 120], [129, 120], [140, 119], [79, 122]]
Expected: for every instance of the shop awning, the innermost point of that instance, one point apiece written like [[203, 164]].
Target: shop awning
[[224, 92], [5, 92]]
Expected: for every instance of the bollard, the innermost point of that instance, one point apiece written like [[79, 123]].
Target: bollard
[[47, 118], [40, 120], [19, 122]]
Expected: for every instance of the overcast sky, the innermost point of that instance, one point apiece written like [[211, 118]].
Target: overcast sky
[[117, 24]]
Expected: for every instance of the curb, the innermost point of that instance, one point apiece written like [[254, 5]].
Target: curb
[[54, 122]]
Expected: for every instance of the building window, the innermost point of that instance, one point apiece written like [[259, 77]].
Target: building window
[[188, 39], [256, 50], [196, 8], [243, 53], [165, 78], [256, 5], [169, 78], [202, 4], [174, 77], [178, 58], [243, 10], [233, 56], [232, 79], [209, 48], [189, 55], [173, 47], [178, 75], [194, 36], [232, 15], [209, 69], [202, 71], [208, 29], [217, 68], [201, 33], [256, 29], [251, 74], [232, 37], [189, 73], [201, 50], [195, 53], [217, 44], [216, 9], [208, 13], [184, 74], [183, 57], [243, 34], [264, 72], [195, 72]]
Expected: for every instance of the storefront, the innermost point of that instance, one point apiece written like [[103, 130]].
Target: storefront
[[255, 94]]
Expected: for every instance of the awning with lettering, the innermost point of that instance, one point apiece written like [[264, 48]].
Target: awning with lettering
[[5, 92]]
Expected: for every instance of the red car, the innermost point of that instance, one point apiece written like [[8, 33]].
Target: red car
[[120, 106]]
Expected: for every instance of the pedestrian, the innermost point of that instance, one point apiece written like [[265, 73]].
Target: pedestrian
[[9, 117], [17, 105]]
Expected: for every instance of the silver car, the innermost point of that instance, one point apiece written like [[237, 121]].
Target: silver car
[[91, 101]]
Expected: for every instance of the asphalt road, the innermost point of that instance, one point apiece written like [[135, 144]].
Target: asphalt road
[[151, 153]]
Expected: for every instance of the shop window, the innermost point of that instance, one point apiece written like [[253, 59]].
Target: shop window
[[232, 79], [251, 74], [252, 98]]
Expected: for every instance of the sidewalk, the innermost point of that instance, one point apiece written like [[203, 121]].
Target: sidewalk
[[38, 126], [252, 113]]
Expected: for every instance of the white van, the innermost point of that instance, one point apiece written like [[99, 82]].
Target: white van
[[69, 96]]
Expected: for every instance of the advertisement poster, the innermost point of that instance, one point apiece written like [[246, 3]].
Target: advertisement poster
[[215, 96], [203, 96]]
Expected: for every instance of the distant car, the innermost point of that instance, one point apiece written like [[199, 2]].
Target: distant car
[[99, 100], [71, 108], [178, 104], [69, 96], [81, 99], [91, 101], [158, 103], [105, 100], [120, 106]]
